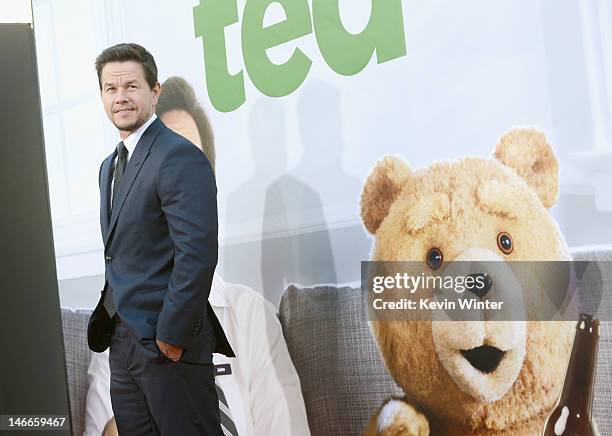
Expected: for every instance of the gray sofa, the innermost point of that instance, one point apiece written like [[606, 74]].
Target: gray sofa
[[343, 378]]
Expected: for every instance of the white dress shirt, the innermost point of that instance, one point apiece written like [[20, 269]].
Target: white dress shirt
[[263, 391], [130, 143], [98, 407]]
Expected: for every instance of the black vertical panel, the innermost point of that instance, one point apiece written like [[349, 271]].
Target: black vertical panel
[[32, 368]]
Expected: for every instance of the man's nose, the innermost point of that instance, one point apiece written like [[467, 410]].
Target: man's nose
[[121, 96]]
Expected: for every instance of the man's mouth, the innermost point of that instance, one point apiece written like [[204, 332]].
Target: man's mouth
[[484, 358], [118, 111]]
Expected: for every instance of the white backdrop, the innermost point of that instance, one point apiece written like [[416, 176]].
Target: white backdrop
[[289, 169]]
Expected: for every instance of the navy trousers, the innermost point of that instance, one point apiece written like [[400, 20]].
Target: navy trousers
[[152, 395]]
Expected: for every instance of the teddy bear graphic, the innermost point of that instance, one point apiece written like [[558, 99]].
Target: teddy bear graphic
[[469, 377]]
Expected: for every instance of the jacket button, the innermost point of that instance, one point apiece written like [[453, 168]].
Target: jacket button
[[108, 259]]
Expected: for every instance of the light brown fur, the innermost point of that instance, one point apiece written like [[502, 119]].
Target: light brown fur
[[455, 206]]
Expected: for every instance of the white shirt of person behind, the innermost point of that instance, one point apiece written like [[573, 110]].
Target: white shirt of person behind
[[263, 390]]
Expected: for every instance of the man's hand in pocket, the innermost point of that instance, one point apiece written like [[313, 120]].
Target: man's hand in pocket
[[172, 352]]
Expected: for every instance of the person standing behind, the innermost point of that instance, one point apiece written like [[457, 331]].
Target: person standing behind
[[158, 215], [261, 386]]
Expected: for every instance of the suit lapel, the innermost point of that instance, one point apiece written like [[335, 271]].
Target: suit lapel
[[141, 152], [105, 183]]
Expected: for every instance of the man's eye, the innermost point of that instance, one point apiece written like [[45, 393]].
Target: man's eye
[[110, 89], [132, 86]]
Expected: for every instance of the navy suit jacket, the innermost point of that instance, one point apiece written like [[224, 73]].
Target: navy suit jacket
[[160, 247]]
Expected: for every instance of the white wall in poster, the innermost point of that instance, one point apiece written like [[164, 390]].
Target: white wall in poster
[[290, 169]]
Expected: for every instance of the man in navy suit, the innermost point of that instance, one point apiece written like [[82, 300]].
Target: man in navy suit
[[158, 215]]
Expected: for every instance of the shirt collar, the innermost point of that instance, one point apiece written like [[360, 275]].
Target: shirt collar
[[132, 140]]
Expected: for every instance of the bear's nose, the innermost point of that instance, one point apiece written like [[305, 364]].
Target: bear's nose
[[480, 285]]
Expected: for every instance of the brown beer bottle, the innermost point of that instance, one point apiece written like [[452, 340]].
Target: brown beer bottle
[[572, 415]]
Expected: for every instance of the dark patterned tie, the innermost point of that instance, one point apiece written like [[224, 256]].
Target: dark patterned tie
[[122, 155], [227, 424]]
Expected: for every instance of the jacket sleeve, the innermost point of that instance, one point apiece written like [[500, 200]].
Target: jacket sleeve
[[188, 196]]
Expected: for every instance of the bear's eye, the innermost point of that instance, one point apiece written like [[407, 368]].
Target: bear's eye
[[434, 258], [504, 242]]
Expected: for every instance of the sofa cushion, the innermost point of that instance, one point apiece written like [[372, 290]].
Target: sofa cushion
[[344, 379], [74, 324], [601, 279]]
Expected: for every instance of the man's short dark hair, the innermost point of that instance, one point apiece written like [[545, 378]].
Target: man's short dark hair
[[177, 94], [128, 52]]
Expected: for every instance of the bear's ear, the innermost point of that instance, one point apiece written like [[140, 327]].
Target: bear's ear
[[529, 154], [381, 188]]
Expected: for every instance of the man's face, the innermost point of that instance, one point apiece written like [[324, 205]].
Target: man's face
[[128, 99]]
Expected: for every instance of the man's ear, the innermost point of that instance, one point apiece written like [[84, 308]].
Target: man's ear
[[528, 153], [381, 189], [157, 91]]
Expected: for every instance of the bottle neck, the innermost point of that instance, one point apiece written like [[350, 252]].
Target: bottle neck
[[580, 375]]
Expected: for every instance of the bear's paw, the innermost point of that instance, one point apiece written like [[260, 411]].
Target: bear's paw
[[398, 418]]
